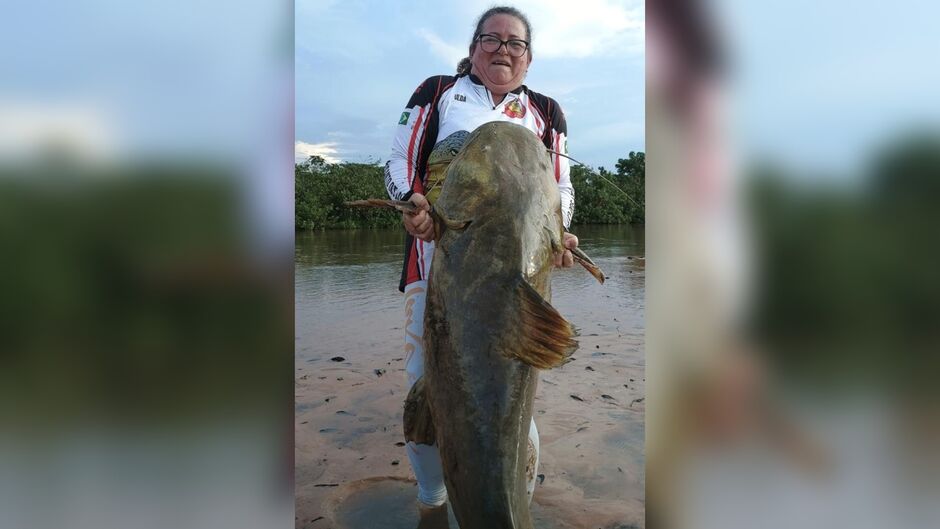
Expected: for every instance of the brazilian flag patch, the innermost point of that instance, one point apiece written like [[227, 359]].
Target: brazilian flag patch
[[403, 120]]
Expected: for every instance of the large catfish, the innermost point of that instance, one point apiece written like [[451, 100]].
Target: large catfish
[[489, 325]]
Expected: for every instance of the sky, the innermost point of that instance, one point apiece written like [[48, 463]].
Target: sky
[[823, 86], [815, 84], [358, 62], [162, 79]]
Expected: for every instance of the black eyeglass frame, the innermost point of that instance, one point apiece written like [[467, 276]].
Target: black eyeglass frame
[[503, 43]]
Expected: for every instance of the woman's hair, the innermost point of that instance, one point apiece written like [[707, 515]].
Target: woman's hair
[[463, 67]]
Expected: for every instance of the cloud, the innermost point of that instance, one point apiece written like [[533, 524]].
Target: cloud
[[585, 28], [565, 29], [37, 128], [449, 53], [304, 150]]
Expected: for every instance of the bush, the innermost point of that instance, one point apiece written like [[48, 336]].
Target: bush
[[321, 188], [603, 197]]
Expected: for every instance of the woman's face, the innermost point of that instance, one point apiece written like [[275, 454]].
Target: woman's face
[[499, 71]]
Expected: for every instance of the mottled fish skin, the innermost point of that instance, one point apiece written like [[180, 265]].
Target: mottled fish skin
[[448, 148], [480, 395], [439, 159]]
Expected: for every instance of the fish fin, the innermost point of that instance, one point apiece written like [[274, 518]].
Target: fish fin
[[547, 338], [579, 256], [582, 259], [554, 238], [419, 428]]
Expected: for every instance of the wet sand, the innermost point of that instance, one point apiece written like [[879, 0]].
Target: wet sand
[[351, 467]]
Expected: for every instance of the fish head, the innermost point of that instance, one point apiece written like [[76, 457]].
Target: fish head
[[502, 182]]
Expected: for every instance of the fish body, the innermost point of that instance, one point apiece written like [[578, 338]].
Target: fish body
[[488, 322]]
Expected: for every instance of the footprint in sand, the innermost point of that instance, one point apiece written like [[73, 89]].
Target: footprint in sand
[[389, 502], [376, 503]]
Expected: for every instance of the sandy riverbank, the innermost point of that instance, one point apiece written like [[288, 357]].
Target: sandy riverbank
[[350, 460]]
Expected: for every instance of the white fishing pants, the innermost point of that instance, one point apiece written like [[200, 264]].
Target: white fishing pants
[[425, 459]]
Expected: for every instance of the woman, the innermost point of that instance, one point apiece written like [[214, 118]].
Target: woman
[[488, 87]]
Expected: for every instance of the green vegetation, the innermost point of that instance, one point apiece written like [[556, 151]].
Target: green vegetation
[[598, 201], [849, 289], [134, 293], [321, 188]]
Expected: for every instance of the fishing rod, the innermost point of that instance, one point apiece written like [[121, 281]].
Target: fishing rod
[[604, 178]]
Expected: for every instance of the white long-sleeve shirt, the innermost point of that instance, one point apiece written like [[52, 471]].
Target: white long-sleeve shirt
[[443, 105]]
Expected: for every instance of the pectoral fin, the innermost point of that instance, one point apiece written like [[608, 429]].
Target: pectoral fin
[[579, 257], [582, 259], [546, 338], [419, 427]]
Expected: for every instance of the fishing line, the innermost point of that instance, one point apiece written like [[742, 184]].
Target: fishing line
[[601, 176], [594, 173]]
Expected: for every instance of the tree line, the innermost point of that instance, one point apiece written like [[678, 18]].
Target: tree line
[[321, 188], [849, 291]]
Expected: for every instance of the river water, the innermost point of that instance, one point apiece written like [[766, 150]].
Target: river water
[[346, 284]]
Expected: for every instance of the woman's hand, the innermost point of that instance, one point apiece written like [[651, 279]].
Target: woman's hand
[[420, 224], [565, 259]]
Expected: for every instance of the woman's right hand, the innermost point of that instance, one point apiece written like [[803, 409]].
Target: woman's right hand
[[419, 224]]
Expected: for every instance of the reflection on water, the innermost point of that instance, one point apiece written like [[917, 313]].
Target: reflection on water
[[349, 247], [346, 284], [618, 251], [346, 287]]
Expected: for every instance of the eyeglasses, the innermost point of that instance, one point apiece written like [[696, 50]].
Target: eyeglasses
[[491, 44]]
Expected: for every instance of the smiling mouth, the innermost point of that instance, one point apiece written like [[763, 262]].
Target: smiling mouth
[[500, 63]]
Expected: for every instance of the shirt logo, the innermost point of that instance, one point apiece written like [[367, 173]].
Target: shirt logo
[[460, 97], [403, 120], [514, 109]]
